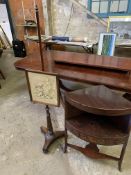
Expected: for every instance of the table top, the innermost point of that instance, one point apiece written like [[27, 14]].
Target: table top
[[99, 100], [92, 75], [83, 44], [92, 60], [48, 41], [122, 43]]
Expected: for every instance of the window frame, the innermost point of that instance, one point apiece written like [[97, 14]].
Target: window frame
[[105, 15]]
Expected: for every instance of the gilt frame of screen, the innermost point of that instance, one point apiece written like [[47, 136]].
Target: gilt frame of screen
[[43, 88]]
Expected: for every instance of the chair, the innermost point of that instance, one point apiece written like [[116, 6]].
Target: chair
[[44, 88], [99, 116], [1, 73]]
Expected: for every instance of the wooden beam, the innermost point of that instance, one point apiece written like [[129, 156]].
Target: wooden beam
[[50, 20]]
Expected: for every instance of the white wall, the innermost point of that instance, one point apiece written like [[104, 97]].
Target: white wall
[[71, 20], [4, 22]]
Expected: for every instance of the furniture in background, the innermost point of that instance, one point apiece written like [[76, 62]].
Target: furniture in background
[[99, 116], [43, 88], [121, 26], [1, 50], [1, 73], [106, 45], [19, 48], [87, 47], [4, 40], [52, 45], [113, 72]]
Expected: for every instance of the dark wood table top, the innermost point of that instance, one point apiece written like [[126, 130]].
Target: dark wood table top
[[99, 100], [88, 74]]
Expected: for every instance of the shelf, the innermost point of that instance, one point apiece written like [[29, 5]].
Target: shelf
[[25, 25], [101, 129], [36, 39]]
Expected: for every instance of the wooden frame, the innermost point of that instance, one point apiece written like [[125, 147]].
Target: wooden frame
[[106, 45], [38, 83], [121, 25]]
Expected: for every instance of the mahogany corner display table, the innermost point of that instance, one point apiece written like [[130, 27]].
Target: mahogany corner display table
[[99, 116]]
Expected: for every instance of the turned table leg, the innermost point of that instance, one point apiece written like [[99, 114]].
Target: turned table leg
[[49, 134]]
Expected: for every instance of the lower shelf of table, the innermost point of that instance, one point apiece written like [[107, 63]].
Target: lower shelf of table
[[98, 130]]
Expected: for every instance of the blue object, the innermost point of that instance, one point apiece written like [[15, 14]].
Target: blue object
[[60, 38]]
